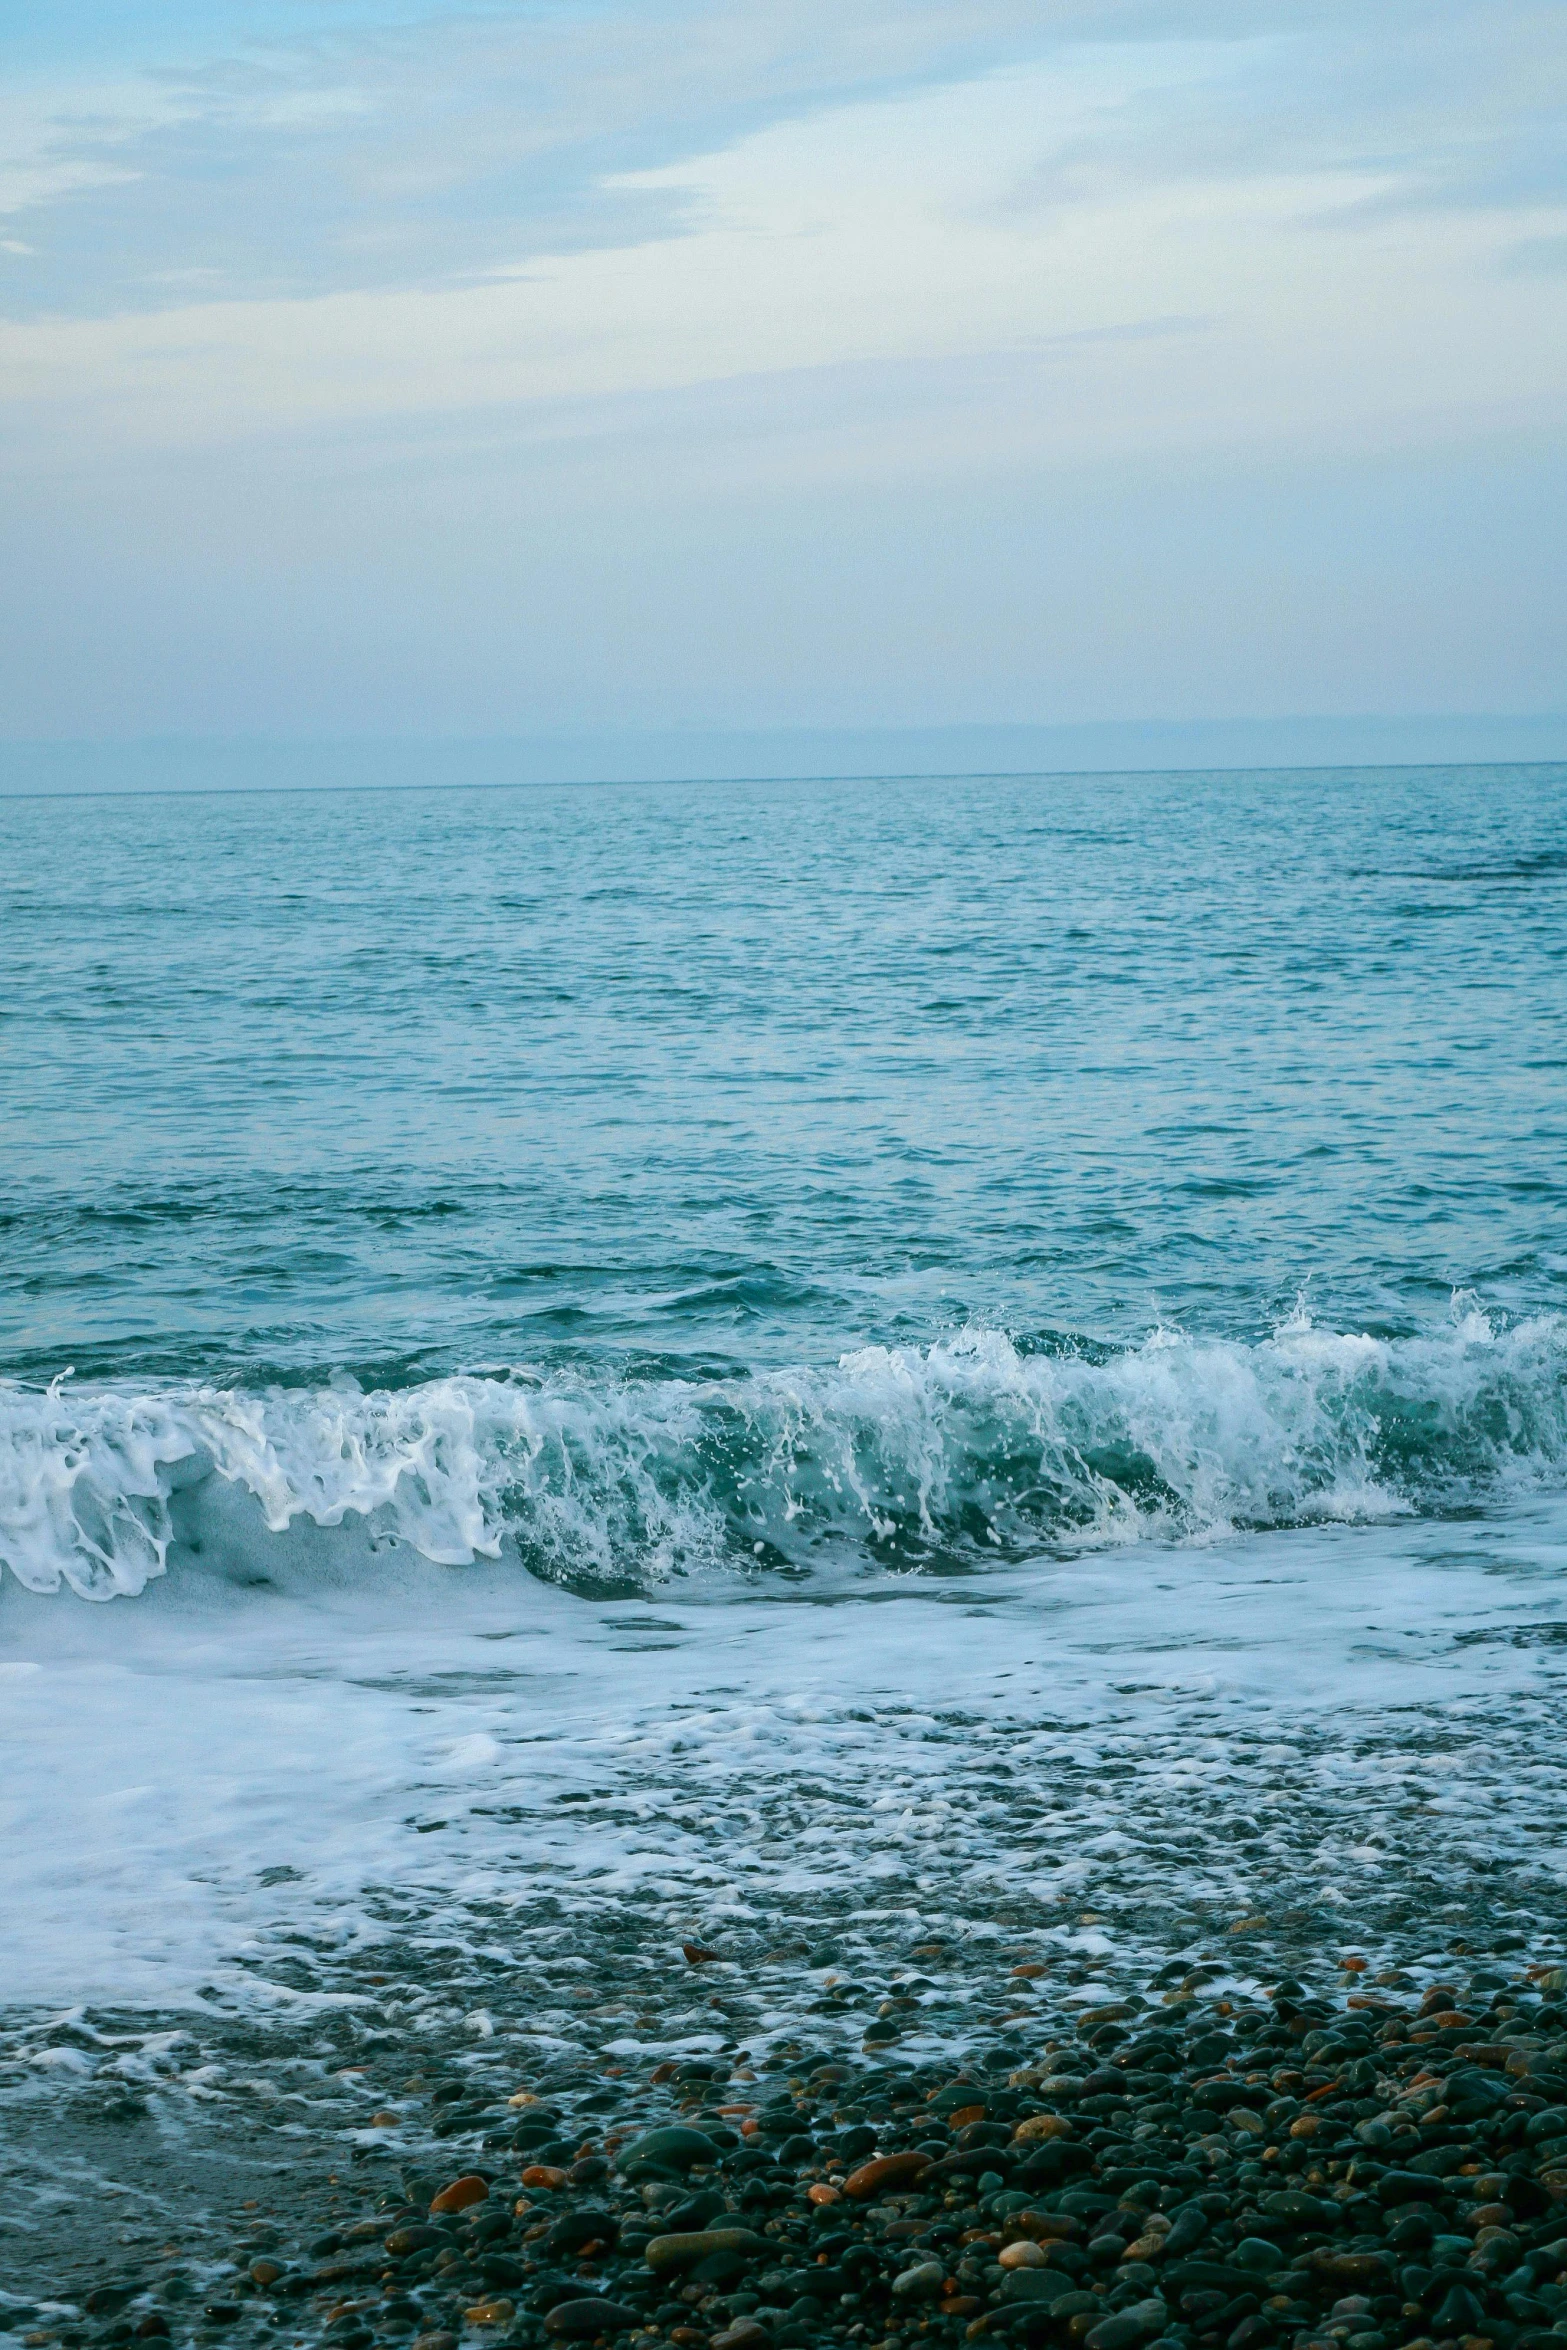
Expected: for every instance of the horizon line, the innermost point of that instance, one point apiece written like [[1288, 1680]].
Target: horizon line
[[196, 765], [196, 791]]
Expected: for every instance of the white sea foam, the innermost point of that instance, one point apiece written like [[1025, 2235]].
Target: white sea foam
[[967, 1448], [191, 1797]]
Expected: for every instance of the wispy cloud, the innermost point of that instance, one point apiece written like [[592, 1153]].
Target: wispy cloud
[[366, 315], [443, 148], [1537, 256], [470, 141]]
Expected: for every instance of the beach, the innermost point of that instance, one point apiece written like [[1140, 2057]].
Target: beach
[[657, 1513]]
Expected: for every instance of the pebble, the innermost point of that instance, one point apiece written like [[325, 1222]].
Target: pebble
[[921, 2283], [1099, 2197], [461, 2194], [885, 2175], [1042, 2126], [674, 2149], [582, 2321], [1137, 2324], [688, 2251], [1036, 2285]]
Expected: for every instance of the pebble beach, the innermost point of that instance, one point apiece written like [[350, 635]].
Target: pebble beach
[[1358, 2161]]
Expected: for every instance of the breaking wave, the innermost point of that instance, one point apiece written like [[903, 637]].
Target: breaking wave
[[975, 1447]]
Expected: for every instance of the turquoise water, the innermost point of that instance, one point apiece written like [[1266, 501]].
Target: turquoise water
[[749, 1364], [668, 1178]]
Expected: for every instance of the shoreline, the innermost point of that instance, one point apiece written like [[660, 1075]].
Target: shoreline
[[1367, 2164]]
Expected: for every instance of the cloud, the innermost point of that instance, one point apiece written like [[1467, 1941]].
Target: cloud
[[460, 144], [873, 240], [1538, 256], [476, 141], [527, 358], [865, 299]]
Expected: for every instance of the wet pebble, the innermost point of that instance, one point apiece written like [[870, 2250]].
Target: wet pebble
[[583, 2320], [1145, 2181]]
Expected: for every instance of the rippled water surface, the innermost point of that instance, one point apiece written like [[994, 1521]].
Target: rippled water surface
[[650, 1175]]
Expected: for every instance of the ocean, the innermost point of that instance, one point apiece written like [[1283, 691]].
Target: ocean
[[820, 1369]]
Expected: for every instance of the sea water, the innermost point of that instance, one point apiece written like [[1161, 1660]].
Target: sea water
[[814, 1365]]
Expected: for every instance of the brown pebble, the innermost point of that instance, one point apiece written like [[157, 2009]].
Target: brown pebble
[[884, 2175], [1351, 2268], [1041, 2125], [1042, 2227], [462, 2193]]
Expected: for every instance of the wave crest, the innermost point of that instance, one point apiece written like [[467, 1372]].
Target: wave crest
[[973, 1447]]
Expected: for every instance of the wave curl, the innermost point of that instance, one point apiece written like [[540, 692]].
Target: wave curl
[[971, 1448]]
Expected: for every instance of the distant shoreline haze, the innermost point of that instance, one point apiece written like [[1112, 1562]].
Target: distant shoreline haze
[[197, 763]]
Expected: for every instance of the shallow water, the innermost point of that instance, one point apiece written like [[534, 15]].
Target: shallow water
[[980, 1361]]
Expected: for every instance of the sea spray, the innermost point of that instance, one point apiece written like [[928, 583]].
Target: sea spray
[[977, 1446]]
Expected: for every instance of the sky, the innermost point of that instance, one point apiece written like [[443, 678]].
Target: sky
[[657, 364]]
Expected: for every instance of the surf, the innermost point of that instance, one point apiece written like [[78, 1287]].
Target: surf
[[979, 1446]]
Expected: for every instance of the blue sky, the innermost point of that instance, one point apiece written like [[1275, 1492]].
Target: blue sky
[[518, 368]]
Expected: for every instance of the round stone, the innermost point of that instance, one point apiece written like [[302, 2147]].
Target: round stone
[[462, 2194], [582, 2321]]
